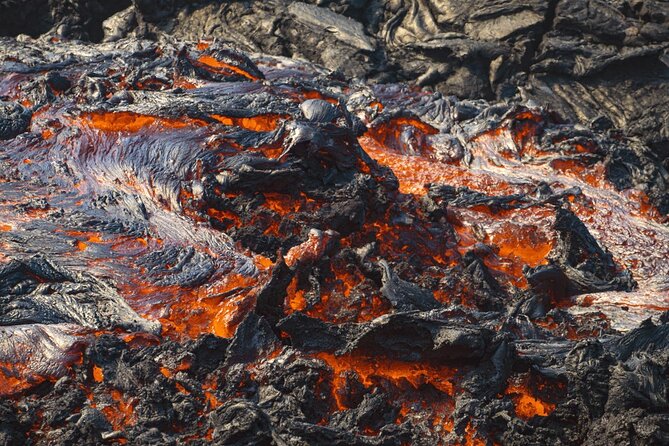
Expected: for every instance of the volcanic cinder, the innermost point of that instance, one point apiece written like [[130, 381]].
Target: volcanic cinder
[[202, 245]]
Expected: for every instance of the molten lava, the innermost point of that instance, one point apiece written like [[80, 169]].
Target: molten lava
[[236, 248]]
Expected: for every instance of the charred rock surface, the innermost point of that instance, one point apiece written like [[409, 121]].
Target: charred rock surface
[[247, 249]]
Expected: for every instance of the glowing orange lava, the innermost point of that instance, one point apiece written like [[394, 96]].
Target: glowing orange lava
[[526, 402], [372, 371], [133, 122], [260, 123], [222, 67]]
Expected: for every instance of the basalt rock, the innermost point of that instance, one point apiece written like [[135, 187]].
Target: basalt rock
[[578, 263], [403, 295]]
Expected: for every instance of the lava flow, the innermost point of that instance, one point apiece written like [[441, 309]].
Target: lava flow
[[202, 246]]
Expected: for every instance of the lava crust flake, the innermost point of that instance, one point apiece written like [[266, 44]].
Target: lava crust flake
[[203, 246]]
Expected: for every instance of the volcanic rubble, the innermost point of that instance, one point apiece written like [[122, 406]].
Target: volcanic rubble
[[205, 246]]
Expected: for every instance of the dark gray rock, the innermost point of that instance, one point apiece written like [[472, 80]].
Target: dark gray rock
[[403, 295], [38, 292], [14, 119]]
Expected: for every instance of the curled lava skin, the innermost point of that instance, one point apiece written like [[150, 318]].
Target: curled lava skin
[[228, 264]]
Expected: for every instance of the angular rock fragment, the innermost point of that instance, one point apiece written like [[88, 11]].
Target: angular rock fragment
[[648, 338], [579, 265], [411, 336], [419, 336], [253, 339], [343, 28], [311, 334], [239, 422], [405, 296]]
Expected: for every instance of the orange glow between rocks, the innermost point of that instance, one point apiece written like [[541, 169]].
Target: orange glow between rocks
[[133, 122], [515, 237], [121, 413], [527, 406], [215, 308], [524, 392], [415, 172], [222, 67], [260, 123], [372, 371], [98, 375], [15, 377]]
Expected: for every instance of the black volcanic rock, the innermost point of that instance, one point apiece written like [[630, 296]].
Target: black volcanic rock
[[403, 295], [577, 263], [253, 339], [410, 336], [240, 422], [14, 119]]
